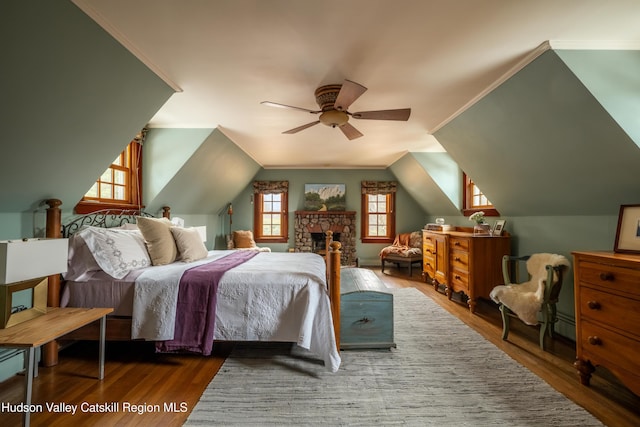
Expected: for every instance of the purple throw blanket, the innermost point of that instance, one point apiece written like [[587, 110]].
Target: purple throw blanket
[[196, 308]]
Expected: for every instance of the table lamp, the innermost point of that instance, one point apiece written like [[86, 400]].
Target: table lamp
[[25, 264]]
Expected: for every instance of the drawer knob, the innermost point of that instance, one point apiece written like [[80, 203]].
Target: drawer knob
[[457, 243], [457, 277], [457, 258], [593, 305], [606, 276], [593, 340]]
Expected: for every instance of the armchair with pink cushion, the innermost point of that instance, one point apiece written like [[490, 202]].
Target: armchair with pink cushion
[[405, 250]]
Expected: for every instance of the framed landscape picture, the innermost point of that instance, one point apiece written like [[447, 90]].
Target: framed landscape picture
[[324, 197]]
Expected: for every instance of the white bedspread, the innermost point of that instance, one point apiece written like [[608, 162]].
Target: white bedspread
[[272, 297]]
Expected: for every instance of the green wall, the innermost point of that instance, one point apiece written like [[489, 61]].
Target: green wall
[[409, 215]]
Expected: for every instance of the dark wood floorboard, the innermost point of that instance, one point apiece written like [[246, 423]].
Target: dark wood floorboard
[[136, 375]]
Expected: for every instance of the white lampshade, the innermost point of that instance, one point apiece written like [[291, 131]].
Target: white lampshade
[[202, 231], [32, 258]]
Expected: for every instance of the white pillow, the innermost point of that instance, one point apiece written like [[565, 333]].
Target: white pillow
[[190, 245], [116, 251], [80, 261]]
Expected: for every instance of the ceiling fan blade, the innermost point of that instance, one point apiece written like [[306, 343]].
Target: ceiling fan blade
[[299, 128], [349, 131], [349, 92], [401, 114], [275, 104]]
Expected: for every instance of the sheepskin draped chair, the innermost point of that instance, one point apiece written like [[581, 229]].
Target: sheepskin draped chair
[[406, 250], [533, 301]]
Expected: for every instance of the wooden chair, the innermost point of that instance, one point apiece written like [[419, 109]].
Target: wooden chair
[[552, 286]]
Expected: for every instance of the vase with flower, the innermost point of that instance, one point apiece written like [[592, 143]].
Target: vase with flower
[[481, 228]]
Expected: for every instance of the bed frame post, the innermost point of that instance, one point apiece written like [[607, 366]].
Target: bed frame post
[[53, 231], [333, 262], [166, 212]]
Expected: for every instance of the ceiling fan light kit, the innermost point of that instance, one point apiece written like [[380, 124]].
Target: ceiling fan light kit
[[334, 101]]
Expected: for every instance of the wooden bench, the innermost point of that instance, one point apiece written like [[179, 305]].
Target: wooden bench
[[404, 260], [366, 310]]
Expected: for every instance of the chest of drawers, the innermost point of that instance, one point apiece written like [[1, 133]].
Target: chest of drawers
[[463, 262], [607, 300]]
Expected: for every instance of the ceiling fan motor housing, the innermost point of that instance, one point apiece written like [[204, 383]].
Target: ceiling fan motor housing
[[326, 98]]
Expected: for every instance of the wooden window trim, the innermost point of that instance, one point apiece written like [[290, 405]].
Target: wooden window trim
[[257, 220], [391, 221], [90, 205], [467, 195]]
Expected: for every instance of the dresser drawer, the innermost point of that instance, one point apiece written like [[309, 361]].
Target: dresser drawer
[[610, 309], [610, 277], [459, 244], [460, 260], [604, 347], [460, 281], [428, 241]]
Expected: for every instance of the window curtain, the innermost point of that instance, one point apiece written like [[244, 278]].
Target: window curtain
[[379, 187], [267, 187]]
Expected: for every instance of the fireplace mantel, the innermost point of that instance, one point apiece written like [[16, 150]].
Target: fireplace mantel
[[326, 213]]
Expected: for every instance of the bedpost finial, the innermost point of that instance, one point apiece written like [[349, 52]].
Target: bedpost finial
[[335, 246], [53, 203]]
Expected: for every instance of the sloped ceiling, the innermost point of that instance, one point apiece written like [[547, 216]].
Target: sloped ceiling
[[433, 180], [72, 99], [542, 144], [194, 171], [613, 78], [431, 55]]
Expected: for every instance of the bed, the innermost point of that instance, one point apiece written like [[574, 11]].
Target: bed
[[246, 296]]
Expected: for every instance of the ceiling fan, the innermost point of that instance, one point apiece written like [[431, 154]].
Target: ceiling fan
[[334, 101]]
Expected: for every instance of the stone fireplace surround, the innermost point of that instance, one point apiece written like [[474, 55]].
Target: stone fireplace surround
[[339, 222]]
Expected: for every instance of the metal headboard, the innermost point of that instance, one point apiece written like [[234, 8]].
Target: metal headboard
[[107, 218]]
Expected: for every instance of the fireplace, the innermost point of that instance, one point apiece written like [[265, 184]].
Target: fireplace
[[319, 242], [310, 228]]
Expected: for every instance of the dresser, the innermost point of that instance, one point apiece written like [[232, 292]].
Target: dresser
[[607, 297], [463, 262]]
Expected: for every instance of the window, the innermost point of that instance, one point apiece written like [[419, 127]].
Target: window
[[270, 211], [475, 200], [119, 187], [378, 211]]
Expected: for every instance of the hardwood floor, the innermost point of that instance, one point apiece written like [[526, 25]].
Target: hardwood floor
[[135, 375]]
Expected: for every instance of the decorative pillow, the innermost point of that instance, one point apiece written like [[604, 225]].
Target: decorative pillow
[[157, 235], [243, 239], [189, 243], [116, 251]]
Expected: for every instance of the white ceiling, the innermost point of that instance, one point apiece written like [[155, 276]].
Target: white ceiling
[[434, 56]]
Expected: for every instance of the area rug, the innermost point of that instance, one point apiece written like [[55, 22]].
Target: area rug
[[442, 373]]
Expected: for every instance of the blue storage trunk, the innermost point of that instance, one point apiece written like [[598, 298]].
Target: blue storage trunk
[[366, 310]]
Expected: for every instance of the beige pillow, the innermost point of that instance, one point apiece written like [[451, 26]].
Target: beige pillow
[[243, 239], [157, 235], [189, 243]]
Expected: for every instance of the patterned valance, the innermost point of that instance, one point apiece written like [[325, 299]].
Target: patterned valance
[[379, 187], [266, 187]]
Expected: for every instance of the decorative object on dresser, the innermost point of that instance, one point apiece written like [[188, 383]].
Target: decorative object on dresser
[[628, 230], [464, 262], [607, 300], [366, 310], [25, 264], [539, 294], [481, 228], [406, 250]]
